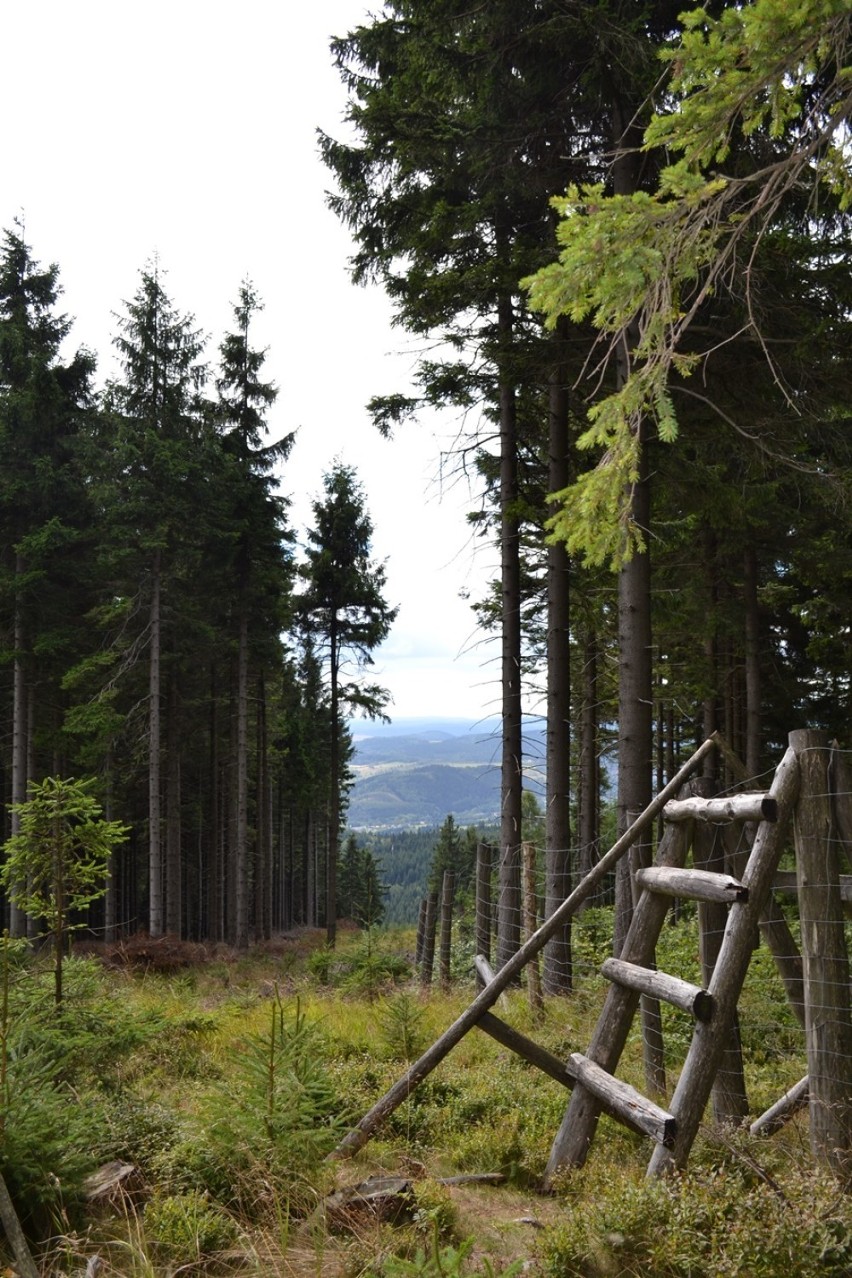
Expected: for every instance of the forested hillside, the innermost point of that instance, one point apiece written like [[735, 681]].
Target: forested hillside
[[648, 378]]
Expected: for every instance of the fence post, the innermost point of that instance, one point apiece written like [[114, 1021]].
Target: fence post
[[530, 922], [483, 904], [427, 961], [447, 895], [828, 1020], [421, 932], [730, 1102]]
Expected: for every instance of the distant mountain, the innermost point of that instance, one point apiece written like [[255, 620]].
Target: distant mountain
[[414, 773]]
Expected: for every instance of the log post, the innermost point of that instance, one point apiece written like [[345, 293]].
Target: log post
[[730, 1102], [828, 1020], [533, 973], [447, 896], [427, 961], [482, 942], [421, 932]]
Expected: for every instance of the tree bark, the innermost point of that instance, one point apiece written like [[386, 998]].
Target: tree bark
[[589, 792], [752, 663], [509, 906], [17, 918], [241, 866], [173, 875], [635, 684], [155, 848], [557, 955]]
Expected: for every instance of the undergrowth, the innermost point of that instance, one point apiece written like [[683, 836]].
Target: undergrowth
[[226, 1084]]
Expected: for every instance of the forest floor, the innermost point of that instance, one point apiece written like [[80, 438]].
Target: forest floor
[[216, 1084]]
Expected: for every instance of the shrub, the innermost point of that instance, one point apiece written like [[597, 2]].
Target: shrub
[[187, 1227], [716, 1223]]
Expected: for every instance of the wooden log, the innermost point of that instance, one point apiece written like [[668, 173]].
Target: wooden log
[[524, 1047], [485, 975], [729, 1097], [427, 961], [787, 884], [623, 1101], [533, 974], [689, 998], [448, 893], [387, 1198], [482, 934], [571, 1143], [709, 1040], [840, 782], [24, 1262], [734, 807], [358, 1137], [421, 931], [695, 885], [772, 1119], [781, 944], [828, 1016]]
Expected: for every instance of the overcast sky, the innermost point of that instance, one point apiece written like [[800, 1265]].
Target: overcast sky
[[187, 129]]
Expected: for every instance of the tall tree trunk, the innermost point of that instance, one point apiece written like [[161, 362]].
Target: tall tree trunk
[[114, 877], [509, 907], [215, 842], [557, 974], [711, 696], [241, 866], [174, 859], [589, 788], [155, 848], [635, 685], [752, 662], [17, 918], [263, 887], [333, 850]]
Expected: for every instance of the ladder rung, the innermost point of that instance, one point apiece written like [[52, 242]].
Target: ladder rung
[[623, 1101], [690, 998], [735, 807], [695, 885]]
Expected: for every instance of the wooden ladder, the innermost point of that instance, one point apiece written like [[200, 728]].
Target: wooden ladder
[[632, 976]]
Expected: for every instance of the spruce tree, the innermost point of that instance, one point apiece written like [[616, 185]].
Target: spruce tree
[[344, 608]]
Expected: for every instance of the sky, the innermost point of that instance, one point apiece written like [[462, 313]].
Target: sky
[[186, 129]]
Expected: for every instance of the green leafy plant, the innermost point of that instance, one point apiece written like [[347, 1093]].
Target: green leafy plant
[[188, 1227], [449, 1261], [58, 861]]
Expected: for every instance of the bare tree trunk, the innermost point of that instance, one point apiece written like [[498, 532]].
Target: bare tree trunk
[[155, 847], [635, 685], [215, 855], [447, 896], [589, 790], [752, 663], [17, 918], [241, 866], [174, 868], [333, 850], [263, 887], [534, 992], [557, 954], [509, 903]]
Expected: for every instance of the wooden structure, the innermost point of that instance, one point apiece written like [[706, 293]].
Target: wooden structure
[[741, 905]]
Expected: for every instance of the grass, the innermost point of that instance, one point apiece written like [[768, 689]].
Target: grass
[[227, 1082]]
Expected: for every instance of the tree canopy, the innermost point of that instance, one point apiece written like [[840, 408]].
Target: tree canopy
[[770, 72]]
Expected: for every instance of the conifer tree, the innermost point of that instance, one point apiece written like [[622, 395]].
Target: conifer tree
[[345, 610], [254, 556], [44, 507], [159, 456]]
